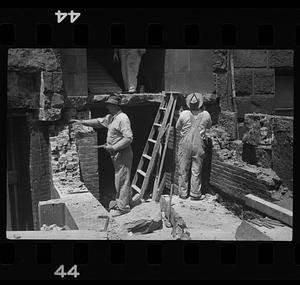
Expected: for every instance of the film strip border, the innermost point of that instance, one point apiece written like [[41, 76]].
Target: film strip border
[[169, 27], [240, 28], [150, 260]]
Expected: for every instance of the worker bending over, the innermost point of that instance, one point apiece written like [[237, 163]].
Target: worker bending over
[[191, 126], [118, 144]]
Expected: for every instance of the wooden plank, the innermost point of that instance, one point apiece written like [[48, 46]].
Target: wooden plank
[[57, 235], [270, 209]]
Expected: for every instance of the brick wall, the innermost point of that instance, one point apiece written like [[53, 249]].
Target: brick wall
[[39, 166], [236, 181], [88, 158], [74, 161]]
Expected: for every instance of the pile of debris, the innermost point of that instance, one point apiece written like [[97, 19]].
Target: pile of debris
[[54, 227]]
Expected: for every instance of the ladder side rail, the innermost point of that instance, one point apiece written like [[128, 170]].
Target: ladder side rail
[[166, 142], [155, 150], [145, 150]]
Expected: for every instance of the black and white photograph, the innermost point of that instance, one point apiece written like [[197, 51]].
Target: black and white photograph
[[149, 144]]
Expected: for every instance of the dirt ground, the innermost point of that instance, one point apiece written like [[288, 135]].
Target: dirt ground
[[207, 219], [210, 220]]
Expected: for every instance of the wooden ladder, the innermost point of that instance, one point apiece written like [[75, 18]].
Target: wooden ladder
[[162, 123]]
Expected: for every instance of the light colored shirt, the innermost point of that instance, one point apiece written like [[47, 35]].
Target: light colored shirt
[[184, 123], [118, 126]]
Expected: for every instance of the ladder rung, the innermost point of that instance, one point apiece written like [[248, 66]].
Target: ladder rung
[[151, 140], [157, 125], [137, 189], [141, 172], [147, 156]]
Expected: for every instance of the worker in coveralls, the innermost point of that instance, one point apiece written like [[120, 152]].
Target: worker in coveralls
[[130, 62], [118, 144], [191, 126]]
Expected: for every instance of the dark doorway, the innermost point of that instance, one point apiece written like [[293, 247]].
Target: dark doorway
[[19, 204], [141, 118], [284, 92]]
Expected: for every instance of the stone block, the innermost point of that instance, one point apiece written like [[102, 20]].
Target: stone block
[[33, 59], [250, 58], [243, 82], [201, 60], [264, 156], [264, 81], [23, 90], [169, 60], [281, 58], [199, 81], [75, 84], [175, 82], [255, 104], [182, 60]]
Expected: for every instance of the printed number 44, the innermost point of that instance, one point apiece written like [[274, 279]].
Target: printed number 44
[[60, 271]]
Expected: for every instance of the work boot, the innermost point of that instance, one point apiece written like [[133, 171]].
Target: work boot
[[118, 212], [112, 205], [183, 197], [132, 90], [197, 198]]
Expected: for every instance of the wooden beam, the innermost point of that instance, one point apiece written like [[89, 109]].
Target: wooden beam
[[270, 209]]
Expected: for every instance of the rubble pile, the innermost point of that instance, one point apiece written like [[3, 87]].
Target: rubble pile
[[233, 152], [53, 227]]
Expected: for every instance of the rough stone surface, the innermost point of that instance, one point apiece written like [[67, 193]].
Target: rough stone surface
[[227, 120], [273, 138], [143, 218], [250, 58], [222, 92], [258, 129], [23, 90], [29, 59], [264, 81], [282, 149], [220, 60], [255, 104], [281, 58], [243, 82], [35, 81]]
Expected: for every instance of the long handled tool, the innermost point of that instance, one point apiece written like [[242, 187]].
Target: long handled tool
[[168, 222]]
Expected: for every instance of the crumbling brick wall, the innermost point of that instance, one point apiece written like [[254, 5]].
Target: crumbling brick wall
[[74, 160]]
